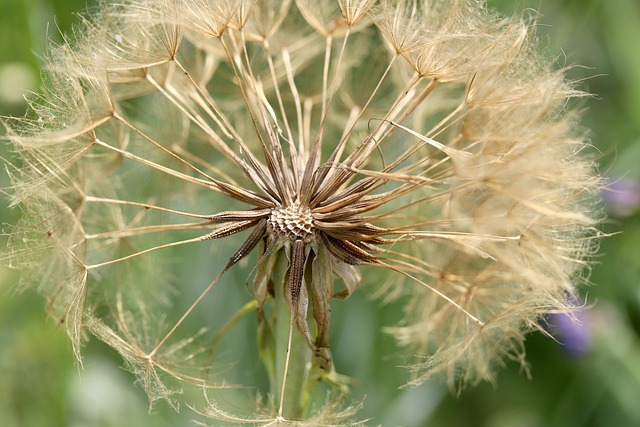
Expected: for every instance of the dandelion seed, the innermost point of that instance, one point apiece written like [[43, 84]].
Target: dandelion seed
[[325, 143]]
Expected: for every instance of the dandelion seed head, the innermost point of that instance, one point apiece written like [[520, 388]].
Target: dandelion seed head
[[401, 148]]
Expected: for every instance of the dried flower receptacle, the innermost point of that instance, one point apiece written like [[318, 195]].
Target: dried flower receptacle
[[324, 140]]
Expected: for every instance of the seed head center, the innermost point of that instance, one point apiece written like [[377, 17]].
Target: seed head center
[[293, 222]]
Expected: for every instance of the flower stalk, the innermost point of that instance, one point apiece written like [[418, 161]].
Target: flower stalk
[[293, 355]]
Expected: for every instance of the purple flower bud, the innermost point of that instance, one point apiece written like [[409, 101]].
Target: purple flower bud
[[573, 331], [622, 197]]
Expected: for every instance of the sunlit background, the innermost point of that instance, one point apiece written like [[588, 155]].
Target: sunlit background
[[590, 377]]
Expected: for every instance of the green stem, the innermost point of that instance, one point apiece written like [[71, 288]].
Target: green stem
[[293, 400]]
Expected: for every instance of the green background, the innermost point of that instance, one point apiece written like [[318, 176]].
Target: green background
[[41, 386]]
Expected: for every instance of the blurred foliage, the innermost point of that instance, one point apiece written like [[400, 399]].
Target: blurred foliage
[[596, 385]]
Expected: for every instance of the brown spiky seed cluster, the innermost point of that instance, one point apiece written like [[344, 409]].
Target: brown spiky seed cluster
[[321, 140], [294, 222]]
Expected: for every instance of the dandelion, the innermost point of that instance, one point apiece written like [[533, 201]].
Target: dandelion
[[423, 145]]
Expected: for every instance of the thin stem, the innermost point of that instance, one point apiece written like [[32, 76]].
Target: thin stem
[[286, 58], [286, 366], [293, 153], [184, 316], [144, 205], [137, 231], [291, 350], [146, 251]]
